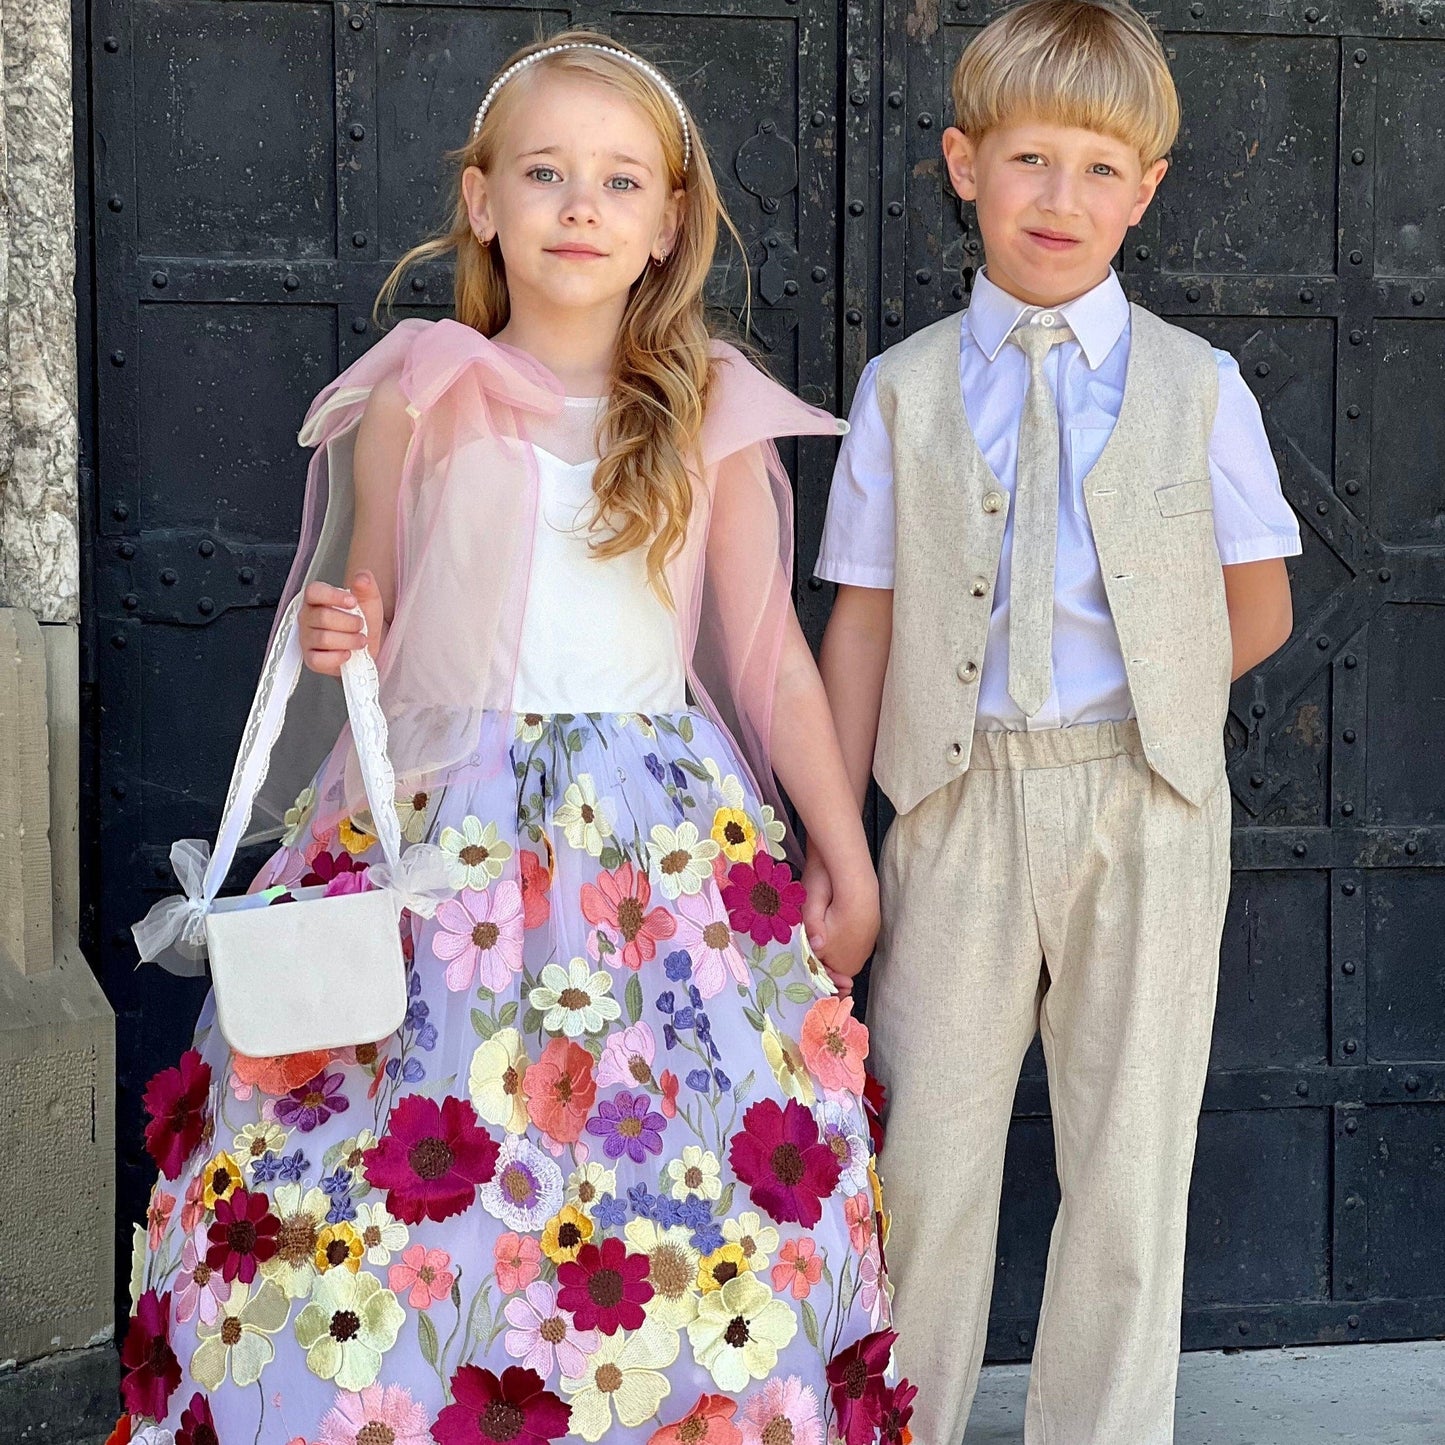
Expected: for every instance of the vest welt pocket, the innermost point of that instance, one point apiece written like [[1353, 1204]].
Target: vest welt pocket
[[1180, 497]]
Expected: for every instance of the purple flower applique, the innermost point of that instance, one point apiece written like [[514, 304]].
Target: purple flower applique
[[628, 1126], [313, 1103]]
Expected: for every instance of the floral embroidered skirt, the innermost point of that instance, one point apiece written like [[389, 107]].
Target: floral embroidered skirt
[[611, 1179]]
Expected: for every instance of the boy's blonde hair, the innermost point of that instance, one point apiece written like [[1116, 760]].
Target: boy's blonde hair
[[1094, 64]]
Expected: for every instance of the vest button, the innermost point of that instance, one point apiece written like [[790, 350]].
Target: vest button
[[955, 751], [978, 587], [993, 501], [967, 671]]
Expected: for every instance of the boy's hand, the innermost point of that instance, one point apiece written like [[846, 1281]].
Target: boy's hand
[[329, 632]]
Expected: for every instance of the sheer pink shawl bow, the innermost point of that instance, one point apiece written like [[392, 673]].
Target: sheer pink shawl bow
[[465, 510], [465, 515], [734, 580]]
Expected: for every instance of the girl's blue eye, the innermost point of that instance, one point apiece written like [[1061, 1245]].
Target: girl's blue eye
[[1104, 170], [1029, 157], [542, 173], [622, 183]]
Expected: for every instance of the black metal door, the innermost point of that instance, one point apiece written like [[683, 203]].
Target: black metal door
[[255, 167]]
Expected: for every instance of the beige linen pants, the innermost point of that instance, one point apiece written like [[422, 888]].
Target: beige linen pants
[[1058, 885]]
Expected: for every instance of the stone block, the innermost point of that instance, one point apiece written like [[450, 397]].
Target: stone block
[[57, 1159]]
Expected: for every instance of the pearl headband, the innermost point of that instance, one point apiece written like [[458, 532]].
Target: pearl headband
[[651, 72]]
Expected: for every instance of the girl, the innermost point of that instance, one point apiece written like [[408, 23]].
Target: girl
[[612, 1177]]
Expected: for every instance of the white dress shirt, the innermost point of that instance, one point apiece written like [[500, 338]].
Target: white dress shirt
[[1252, 520]]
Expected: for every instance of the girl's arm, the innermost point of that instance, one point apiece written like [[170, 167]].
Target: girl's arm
[[810, 765], [328, 632], [743, 567], [1261, 614]]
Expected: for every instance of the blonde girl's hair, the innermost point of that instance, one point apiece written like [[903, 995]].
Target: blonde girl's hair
[[662, 368], [1094, 64]]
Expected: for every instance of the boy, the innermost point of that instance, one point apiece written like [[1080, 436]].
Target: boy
[[1059, 535]]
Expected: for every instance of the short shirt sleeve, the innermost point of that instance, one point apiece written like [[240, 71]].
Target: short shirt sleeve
[[1252, 520], [857, 544]]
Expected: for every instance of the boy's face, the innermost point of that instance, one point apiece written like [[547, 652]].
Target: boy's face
[[1054, 202]]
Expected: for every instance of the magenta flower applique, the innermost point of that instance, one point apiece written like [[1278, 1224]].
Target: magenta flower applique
[[763, 899]]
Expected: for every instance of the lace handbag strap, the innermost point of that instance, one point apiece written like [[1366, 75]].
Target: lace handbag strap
[[279, 675], [174, 931]]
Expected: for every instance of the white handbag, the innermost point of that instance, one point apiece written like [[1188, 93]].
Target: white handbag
[[316, 972]]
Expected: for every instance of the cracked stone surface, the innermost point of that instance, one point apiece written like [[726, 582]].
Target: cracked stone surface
[[39, 540]]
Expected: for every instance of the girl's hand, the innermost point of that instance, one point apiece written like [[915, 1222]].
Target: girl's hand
[[841, 917], [819, 887], [329, 632]]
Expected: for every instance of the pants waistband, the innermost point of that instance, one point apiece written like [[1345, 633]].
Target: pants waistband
[[1055, 747]]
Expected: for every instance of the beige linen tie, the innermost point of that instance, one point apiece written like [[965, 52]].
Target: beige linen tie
[[1036, 528]]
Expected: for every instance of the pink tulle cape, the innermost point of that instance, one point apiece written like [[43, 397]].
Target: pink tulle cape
[[466, 508]]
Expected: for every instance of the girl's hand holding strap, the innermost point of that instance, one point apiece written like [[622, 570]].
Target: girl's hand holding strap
[[329, 628]]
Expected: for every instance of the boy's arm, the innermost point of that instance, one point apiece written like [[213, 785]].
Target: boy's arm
[[1253, 525], [853, 661], [1260, 612]]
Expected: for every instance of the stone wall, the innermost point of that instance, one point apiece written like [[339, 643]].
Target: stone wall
[[57, 1033], [39, 542]]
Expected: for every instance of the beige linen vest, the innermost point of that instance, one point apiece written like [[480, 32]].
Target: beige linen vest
[[1150, 505]]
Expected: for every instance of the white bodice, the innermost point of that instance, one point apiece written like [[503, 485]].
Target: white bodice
[[595, 636]]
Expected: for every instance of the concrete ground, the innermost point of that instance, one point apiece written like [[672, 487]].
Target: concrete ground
[[1347, 1395], [1350, 1395]]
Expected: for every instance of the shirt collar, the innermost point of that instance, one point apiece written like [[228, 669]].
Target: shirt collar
[[1097, 318]]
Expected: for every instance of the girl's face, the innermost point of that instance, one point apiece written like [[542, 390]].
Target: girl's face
[[577, 197]]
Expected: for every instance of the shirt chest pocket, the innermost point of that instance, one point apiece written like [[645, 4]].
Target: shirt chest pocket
[[1179, 498]]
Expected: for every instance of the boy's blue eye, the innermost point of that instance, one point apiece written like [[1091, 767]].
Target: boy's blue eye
[[1029, 157], [1103, 169]]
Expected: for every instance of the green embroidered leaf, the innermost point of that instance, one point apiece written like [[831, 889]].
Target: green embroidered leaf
[[695, 770], [810, 1324], [485, 994], [780, 965], [725, 1199], [633, 997], [610, 857], [665, 725], [740, 1091], [798, 993], [428, 1335], [532, 1021], [484, 1024], [684, 729], [753, 1017], [767, 993], [456, 1295], [508, 1015], [574, 741]]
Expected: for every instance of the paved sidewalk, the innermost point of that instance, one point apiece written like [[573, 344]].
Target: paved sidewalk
[[1346, 1395]]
